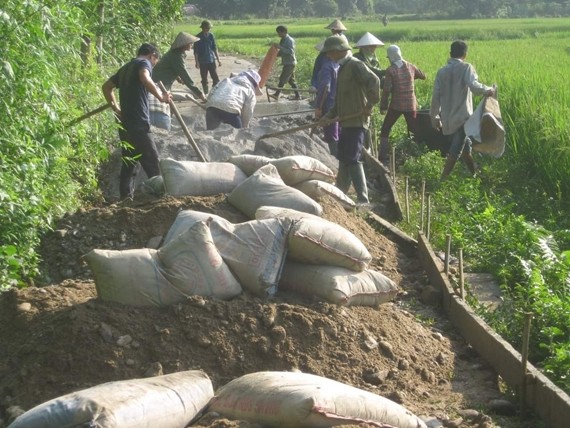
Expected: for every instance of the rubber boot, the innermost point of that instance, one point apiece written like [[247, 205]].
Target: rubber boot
[[385, 151], [447, 167], [333, 147], [205, 88], [343, 177], [359, 182]]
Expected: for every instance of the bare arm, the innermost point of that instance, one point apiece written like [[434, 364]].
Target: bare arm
[[109, 95]]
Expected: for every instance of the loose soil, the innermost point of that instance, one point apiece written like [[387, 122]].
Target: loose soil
[[58, 337]]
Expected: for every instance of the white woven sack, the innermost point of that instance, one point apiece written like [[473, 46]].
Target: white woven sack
[[296, 169], [132, 277], [316, 189], [322, 242], [189, 178], [194, 265], [288, 399], [169, 401], [265, 212], [255, 251], [265, 187], [186, 218], [338, 285], [249, 163]]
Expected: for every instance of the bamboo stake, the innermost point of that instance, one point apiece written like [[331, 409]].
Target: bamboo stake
[[428, 220], [422, 205], [447, 253], [461, 277], [407, 199], [524, 360]]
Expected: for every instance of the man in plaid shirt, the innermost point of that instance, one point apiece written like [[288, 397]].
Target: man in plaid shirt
[[400, 90]]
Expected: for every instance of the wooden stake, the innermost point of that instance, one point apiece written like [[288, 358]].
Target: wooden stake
[[428, 220], [407, 200], [393, 164], [524, 360], [423, 196], [461, 277], [447, 252]]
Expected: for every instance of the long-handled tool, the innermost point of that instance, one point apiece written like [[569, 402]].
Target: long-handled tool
[[183, 125], [286, 113], [195, 101], [321, 105], [273, 88], [89, 114], [310, 125]]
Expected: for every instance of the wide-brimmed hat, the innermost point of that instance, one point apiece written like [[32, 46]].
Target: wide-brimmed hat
[[336, 43], [183, 39], [206, 24], [319, 46], [336, 25], [254, 78], [368, 40]]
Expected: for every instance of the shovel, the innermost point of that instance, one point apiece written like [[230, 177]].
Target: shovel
[[183, 125], [195, 101], [89, 114], [310, 125]]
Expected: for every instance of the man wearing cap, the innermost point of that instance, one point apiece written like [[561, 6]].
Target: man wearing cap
[[206, 55], [170, 68], [452, 104], [232, 100], [367, 54], [286, 48], [399, 88], [358, 90], [336, 27], [134, 83]]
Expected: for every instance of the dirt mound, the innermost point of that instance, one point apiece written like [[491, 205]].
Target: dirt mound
[[61, 338]]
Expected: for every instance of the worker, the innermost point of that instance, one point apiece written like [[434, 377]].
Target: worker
[[286, 48], [206, 54], [367, 45], [324, 100], [336, 27]]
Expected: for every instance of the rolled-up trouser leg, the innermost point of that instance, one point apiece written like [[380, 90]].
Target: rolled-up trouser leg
[[343, 176], [359, 181]]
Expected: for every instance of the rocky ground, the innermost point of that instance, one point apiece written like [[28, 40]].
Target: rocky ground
[[57, 337]]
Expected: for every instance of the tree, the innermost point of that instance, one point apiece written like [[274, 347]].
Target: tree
[[326, 8], [365, 7], [347, 7]]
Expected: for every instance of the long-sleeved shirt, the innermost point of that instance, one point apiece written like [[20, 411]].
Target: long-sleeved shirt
[[319, 61], [399, 87], [171, 66], [372, 63], [357, 87], [326, 84], [234, 95], [452, 100], [205, 49], [287, 50]]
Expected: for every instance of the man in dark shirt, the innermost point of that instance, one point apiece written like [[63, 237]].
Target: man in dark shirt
[[206, 54], [134, 83]]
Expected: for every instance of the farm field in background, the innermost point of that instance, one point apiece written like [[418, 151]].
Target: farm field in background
[[513, 219]]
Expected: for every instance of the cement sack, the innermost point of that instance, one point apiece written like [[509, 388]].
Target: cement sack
[[194, 265], [265, 212], [485, 128], [169, 401], [338, 285], [255, 251], [288, 399], [265, 187], [249, 163], [132, 277], [316, 189], [185, 219], [322, 242], [189, 178], [296, 169]]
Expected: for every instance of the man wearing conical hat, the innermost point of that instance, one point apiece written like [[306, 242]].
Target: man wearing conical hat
[[206, 55], [337, 28], [170, 68], [367, 54]]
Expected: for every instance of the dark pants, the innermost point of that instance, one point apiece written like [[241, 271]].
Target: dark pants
[[351, 144], [287, 76], [141, 149], [392, 116], [209, 68], [215, 116]]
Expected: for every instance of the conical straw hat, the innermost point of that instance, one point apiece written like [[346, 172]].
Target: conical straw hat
[[336, 25], [182, 39], [368, 40]]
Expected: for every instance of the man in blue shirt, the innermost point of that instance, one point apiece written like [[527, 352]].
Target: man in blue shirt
[[206, 54], [134, 83], [286, 48]]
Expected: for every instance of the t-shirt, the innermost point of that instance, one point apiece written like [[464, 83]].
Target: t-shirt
[[133, 96]]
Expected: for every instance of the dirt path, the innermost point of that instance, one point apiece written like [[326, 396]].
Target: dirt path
[[59, 337]]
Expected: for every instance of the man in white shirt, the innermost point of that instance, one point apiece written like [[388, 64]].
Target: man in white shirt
[[452, 104]]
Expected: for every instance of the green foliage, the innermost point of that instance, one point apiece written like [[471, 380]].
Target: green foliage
[[44, 84]]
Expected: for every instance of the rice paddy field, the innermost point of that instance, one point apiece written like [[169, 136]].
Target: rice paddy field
[[513, 219]]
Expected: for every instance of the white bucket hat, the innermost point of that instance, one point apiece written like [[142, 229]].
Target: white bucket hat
[[254, 78], [182, 39], [368, 40]]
